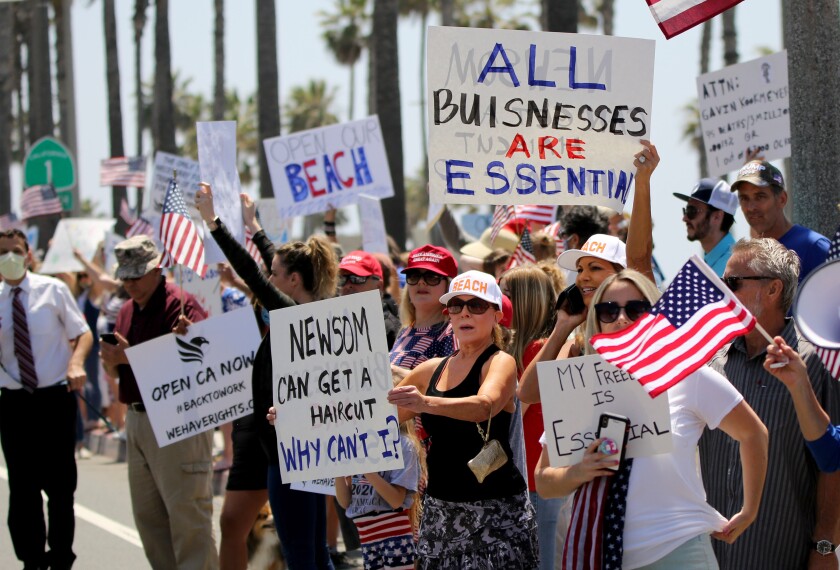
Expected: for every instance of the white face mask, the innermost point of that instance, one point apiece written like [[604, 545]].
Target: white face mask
[[12, 266]]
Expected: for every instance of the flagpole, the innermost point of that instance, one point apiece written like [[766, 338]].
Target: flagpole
[[180, 266]]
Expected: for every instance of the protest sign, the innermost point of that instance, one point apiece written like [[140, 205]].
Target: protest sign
[[745, 106], [198, 381], [520, 117], [374, 236], [320, 486], [319, 169], [276, 228], [206, 291], [189, 175], [331, 379], [83, 234], [217, 163], [575, 392], [109, 247]]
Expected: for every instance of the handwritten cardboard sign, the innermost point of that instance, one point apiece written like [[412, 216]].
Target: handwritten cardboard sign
[[189, 175], [320, 486], [198, 381], [576, 391], [521, 117], [745, 105], [374, 236], [206, 291], [84, 234], [331, 380], [328, 167]]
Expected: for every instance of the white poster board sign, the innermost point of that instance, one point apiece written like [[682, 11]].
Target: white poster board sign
[[576, 391], [374, 236], [520, 117], [320, 486], [84, 234], [109, 249], [189, 175], [278, 230], [198, 381], [217, 164], [328, 167], [745, 106], [331, 380], [206, 291]]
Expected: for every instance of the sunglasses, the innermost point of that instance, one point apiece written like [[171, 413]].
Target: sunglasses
[[690, 212], [430, 278], [734, 283], [355, 279], [476, 306], [608, 312]]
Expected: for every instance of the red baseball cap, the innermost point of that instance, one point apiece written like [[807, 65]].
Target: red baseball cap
[[507, 312], [433, 258], [361, 263]]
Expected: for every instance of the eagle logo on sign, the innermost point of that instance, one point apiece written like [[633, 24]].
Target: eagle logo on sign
[[190, 351]]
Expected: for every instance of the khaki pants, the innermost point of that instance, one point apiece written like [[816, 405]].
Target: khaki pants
[[172, 497]]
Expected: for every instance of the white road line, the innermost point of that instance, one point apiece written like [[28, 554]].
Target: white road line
[[128, 534]]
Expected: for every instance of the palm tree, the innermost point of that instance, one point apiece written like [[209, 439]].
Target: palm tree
[[560, 15], [219, 61], [139, 21], [112, 78], [730, 38], [309, 107], [7, 70], [345, 37], [268, 98], [447, 12], [422, 9], [388, 107], [608, 16], [39, 72], [163, 115]]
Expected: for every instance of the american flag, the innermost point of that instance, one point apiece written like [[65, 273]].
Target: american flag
[[501, 216], [554, 230], [141, 227], [126, 213], [252, 248], [676, 16], [694, 317], [537, 213], [829, 356], [386, 538], [178, 234], [39, 201], [123, 171], [10, 222], [524, 252]]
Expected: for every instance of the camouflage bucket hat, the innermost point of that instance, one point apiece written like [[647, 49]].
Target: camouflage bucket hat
[[136, 256]]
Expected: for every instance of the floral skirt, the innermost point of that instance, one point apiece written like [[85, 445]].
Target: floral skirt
[[479, 535]]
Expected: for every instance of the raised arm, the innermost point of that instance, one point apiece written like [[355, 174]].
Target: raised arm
[[640, 231], [249, 218]]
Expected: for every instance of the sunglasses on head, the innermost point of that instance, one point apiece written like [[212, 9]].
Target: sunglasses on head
[[734, 283], [429, 277], [476, 306], [355, 279], [608, 312], [690, 212]]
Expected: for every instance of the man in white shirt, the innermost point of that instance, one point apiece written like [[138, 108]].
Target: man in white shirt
[[44, 340]]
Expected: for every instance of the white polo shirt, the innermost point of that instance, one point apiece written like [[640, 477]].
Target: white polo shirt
[[54, 319]]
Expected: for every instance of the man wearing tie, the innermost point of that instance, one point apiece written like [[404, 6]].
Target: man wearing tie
[[44, 340]]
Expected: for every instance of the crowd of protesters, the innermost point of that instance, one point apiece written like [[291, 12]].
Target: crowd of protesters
[[748, 482]]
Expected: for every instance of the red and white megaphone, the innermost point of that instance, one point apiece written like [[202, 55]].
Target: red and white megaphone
[[816, 308]]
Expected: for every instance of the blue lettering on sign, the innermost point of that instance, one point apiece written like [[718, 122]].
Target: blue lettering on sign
[[546, 177], [298, 452], [574, 84], [532, 56], [330, 175], [499, 176], [360, 163], [450, 176], [532, 184], [498, 49], [300, 190]]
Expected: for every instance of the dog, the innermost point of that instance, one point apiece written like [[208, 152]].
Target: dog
[[264, 552]]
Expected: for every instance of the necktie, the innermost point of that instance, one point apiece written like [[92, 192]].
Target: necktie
[[23, 346]]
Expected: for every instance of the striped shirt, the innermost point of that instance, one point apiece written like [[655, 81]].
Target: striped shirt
[[415, 346], [781, 535]]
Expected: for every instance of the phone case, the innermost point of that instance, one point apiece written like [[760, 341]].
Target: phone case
[[616, 428]]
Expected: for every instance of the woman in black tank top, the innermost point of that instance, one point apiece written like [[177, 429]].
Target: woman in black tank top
[[467, 524]]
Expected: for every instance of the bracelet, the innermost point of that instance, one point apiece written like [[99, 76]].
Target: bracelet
[[329, 232], [329, 224]]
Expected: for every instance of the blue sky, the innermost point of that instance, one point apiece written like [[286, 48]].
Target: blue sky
[[303, 56]]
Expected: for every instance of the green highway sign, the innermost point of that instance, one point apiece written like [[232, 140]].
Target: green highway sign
[[49, 162], [66, 197]]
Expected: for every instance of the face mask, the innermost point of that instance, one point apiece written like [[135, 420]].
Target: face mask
[[264, 314], [12, 266]]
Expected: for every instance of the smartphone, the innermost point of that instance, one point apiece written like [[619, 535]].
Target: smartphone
[[616, 428], [573, 300], [109, 338]]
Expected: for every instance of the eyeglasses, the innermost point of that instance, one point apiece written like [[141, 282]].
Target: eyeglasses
[[476, 306], [608, 312], [734, 283], [430, 278], [355, 279], [690, 212]]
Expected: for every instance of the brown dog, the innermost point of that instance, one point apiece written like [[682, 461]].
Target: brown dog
[[264, 552]]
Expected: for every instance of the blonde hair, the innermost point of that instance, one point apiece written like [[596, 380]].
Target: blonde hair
[[557, 277], [544, 246], [315, 261], [639, 281], [408, 313], [532, 297]]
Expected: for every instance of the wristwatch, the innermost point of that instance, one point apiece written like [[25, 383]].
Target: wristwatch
[[824, 547]]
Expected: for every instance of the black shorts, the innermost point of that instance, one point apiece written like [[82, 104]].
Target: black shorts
[[250, 465]]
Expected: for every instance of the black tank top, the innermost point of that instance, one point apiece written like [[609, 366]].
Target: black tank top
[[455, 442]]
